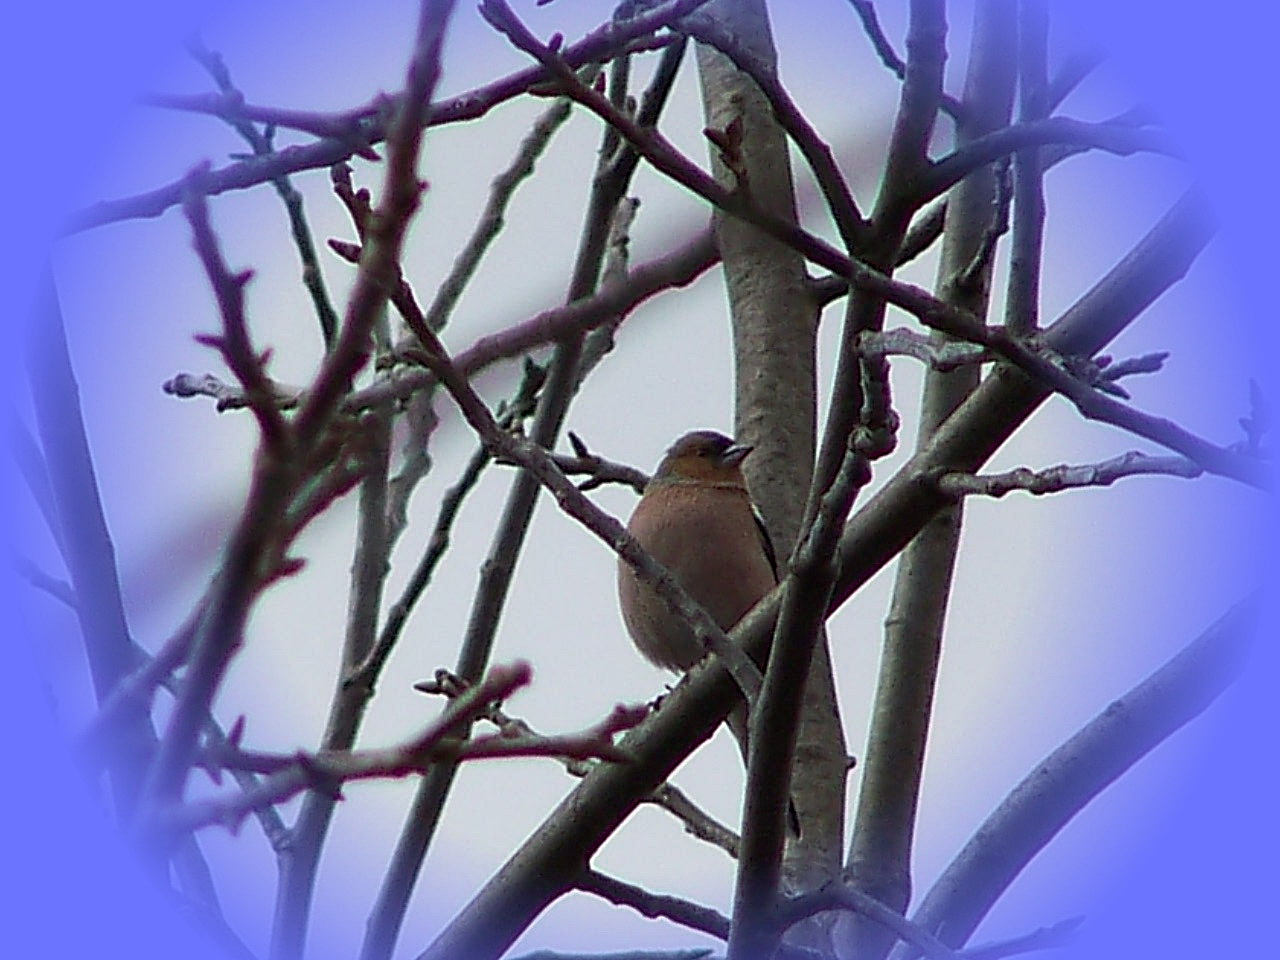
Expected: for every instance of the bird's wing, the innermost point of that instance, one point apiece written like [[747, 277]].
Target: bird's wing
[[765, 543]]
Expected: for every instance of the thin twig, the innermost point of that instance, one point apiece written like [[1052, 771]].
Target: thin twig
[[226, 395], [674, 270], [614, 300], [697, 822], [866, 11], [366, 673], [600, 470], [1046, 938], [134, 690], [260, 144], [599, 341], [1067, 476], [43, 581], [835, 188], [541, 465], [327, 770], [654, 905], [492, 218], [979, 267], [233, 343], [35, 475], [355, 131], [1118, 138], [840, 897]]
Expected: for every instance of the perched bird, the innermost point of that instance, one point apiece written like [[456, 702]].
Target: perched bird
[[697, 520]]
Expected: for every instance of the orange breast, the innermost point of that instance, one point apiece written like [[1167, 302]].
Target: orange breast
[[707, 537]]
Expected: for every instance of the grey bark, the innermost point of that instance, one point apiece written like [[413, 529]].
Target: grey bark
[[774, 330]]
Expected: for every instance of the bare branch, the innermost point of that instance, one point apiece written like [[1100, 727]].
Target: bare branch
[[1069, 778], [1094, 405], [260, 143], [776, 718], [328, 770], [654, 905], [228, 397], [255, 548], [31, 463], [1022, 301], [941, 356], [1067, 476], [1046, 938], [878, 863], [883, 526], [923, 233], [492, 218], [542, 466], [866, 11], [697, 822], [599, 341], [43, 581], [378, 278], [840, 897], [354, 131], [228, 289], [676, 269], [600, 470], [1070, 74], [133, 692], [366, 674], [534, 875], [832, 183], [978, 269], [1113, 137], [61, 473]]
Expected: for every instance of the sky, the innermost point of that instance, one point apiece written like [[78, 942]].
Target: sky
[[1061, 604]]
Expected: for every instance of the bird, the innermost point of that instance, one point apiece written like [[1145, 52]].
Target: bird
[[696, 518]]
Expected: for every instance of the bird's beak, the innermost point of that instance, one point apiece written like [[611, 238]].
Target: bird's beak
[[735, 454]]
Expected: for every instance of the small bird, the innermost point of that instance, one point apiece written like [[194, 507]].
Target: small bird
[[696, 519]]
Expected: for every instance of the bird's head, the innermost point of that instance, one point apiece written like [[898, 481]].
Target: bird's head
[[703, 456]]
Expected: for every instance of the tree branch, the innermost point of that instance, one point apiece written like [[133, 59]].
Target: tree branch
[[832, 183], [260, 144], [883, 47], [614, 172], [878, 863], [326, 770], [654, 905], [697, 822], [1069, 778], [544, 865], [352, 132], [1022, 300], [840, 897], [1068, 476], [1118, 138]]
